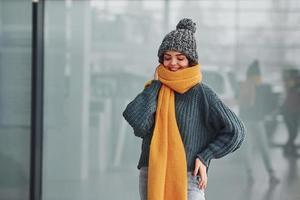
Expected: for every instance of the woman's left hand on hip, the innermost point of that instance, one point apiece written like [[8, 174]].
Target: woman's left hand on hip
[[201, 168]]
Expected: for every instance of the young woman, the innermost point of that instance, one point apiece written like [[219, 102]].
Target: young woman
[[182, 121]]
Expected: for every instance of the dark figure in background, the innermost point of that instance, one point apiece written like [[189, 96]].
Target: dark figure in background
[[290, 108], [253, 101]]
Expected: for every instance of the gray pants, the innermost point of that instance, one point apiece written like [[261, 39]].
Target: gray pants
[[194, 193], [256, 134]]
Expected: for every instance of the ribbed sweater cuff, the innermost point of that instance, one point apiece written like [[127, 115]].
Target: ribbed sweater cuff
[[153, 88], [139, 112], [205, 157], [152, 92]]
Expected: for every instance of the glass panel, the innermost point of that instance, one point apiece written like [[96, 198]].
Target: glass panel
[[99, 54], [87, 148], [15, 97], [215, 80]]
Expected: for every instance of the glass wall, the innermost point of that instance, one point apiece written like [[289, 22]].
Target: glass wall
[[15, 98], [99, 54], [89, 150]]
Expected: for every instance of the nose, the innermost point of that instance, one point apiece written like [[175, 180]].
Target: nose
[[173, 62]]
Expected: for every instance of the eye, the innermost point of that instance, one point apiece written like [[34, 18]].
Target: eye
[[167, 58], [181, 58]]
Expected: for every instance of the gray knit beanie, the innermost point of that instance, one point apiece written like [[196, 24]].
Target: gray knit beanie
[[182, 40]]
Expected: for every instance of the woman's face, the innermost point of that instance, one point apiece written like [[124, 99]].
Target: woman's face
[[175, 61]]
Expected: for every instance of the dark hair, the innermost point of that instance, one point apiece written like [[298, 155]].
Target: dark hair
[[192, 62], [254, 69]]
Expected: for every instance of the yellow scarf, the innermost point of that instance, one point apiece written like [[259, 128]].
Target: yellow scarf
[[167, 171]]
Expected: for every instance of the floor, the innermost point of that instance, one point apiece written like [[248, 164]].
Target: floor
[[234, 183], [227, 179]]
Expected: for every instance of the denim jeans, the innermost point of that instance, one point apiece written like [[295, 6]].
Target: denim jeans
[[194, 193]]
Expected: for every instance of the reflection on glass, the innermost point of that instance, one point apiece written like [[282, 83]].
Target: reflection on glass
[[15, 97]]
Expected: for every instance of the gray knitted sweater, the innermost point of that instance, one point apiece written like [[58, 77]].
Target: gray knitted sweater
[[208, 128]]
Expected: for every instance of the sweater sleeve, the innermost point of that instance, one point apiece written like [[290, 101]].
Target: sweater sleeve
[[140, 112], [229, 133]]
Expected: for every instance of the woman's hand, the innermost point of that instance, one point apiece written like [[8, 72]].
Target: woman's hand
[[156, 74], [199, 166]]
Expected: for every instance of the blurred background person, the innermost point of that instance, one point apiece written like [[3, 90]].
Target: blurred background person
[[290, 108], [253, 96]]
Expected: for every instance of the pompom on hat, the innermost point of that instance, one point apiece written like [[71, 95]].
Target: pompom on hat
[[182, 40]]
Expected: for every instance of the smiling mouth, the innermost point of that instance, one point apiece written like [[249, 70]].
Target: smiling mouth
[[174, 69]]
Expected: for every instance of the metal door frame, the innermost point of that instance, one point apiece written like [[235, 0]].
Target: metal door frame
[[37, 87]]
